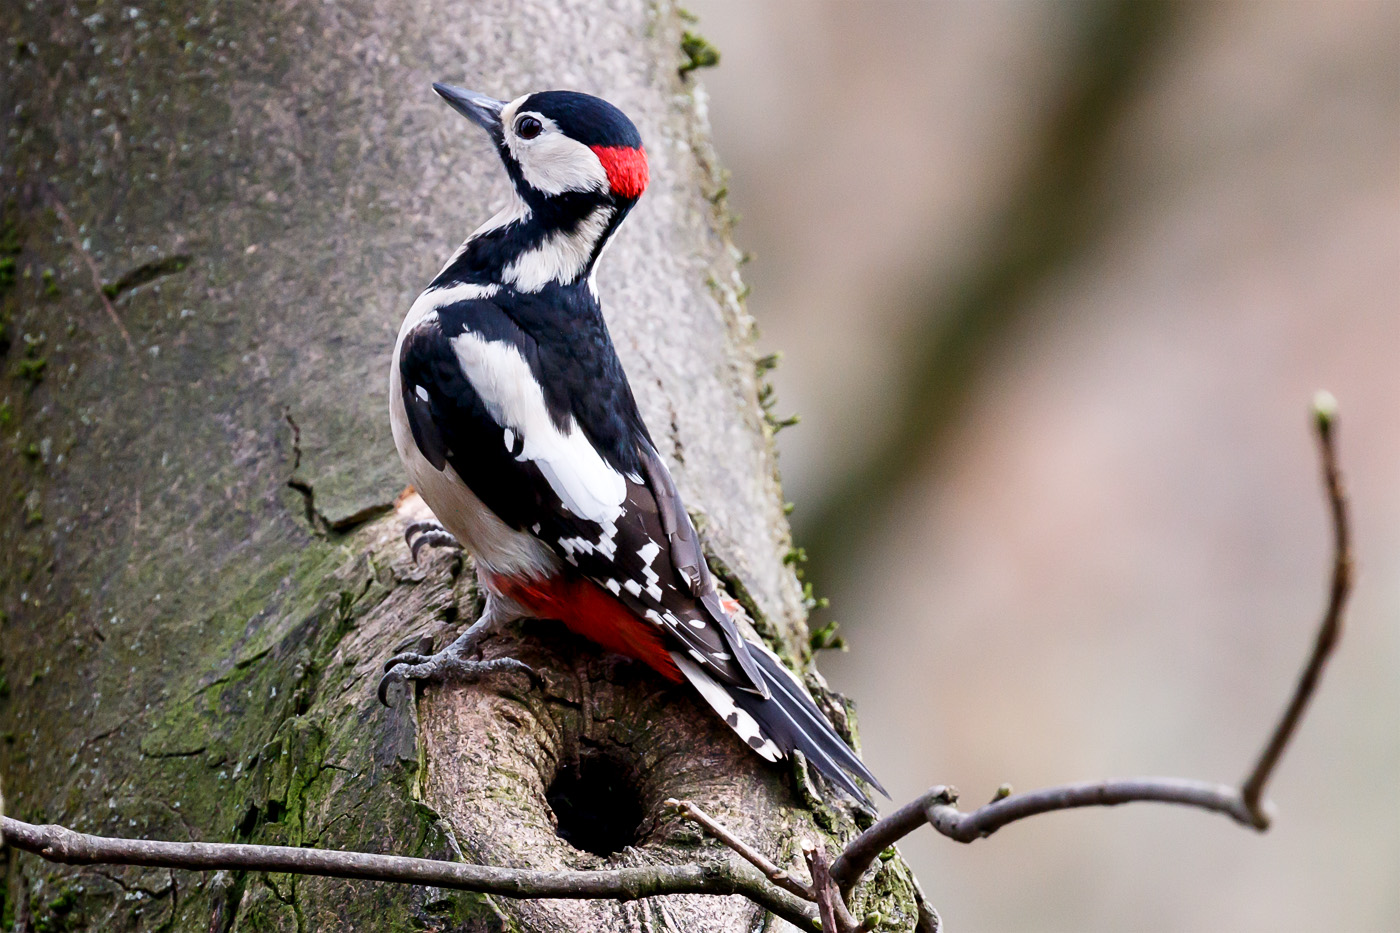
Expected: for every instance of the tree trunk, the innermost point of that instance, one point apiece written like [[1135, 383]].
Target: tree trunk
[[202, 560]]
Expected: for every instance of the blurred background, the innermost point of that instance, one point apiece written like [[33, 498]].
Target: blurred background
[[1055, 284]]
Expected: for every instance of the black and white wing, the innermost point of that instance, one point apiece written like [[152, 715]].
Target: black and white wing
[[479, 396], [563, 456]]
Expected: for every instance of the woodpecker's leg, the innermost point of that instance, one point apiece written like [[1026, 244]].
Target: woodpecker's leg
[[428, 534], [453, 662]]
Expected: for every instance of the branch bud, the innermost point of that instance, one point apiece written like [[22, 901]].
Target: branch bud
[[1324, 408]]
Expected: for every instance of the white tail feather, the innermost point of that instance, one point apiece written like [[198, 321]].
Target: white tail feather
[[744, 725]]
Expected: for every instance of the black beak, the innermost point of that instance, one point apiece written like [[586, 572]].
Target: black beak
[[484, 111]]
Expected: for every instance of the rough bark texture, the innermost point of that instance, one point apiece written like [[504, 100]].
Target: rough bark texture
[[202, 568]]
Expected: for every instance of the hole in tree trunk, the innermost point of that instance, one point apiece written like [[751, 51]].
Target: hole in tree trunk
[[596, 804]]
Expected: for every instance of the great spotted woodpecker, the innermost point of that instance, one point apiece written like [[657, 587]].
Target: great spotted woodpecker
[[518, 427]]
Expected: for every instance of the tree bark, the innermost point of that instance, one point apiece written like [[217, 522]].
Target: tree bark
[[202, 564]]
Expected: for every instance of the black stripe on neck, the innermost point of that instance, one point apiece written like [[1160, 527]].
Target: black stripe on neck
[[486, 256]]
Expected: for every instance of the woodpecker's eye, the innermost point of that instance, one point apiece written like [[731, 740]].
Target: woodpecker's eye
[[528, 127]]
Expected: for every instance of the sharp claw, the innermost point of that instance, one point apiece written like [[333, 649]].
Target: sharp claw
[[422, 534], [502, 665], [385, 682], [417, 545], [407, 657], [446, 665], [416, 529]]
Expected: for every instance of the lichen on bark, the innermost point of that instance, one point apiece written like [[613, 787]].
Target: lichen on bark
[[199, 572]]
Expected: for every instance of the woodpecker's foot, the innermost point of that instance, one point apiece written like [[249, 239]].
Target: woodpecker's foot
[[451, 664], [428, 534]]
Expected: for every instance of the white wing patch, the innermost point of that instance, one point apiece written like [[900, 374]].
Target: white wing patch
[[648, 554], [584, 482], [744, 725], [606, 544]]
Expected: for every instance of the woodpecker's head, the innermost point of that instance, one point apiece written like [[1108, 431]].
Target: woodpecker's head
[[560, 143]]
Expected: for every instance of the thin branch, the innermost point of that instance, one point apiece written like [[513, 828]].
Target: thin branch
[[1325, 420], [771, 870], [944, 816], [862, 851], [830, 905], [59, 844], [75, 238], [1244, 804]]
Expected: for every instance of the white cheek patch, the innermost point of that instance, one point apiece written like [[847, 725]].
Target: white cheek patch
[[552, 163], [584, 482]]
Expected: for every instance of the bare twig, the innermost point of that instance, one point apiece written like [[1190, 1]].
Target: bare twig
[[831, 906], [1252, 793], [58, 844], [771, 870], [862, 851], [76, 239], [1244, 804], [945, 817]]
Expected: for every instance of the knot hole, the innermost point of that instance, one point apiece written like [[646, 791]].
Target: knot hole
[[597, 802]]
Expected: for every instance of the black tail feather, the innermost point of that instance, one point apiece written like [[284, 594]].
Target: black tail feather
[[792, 720]]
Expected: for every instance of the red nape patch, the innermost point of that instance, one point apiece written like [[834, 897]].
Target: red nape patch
[[591, 611], [626, 168]]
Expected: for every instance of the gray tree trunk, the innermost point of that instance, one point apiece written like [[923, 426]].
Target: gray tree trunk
[[202, 561]]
